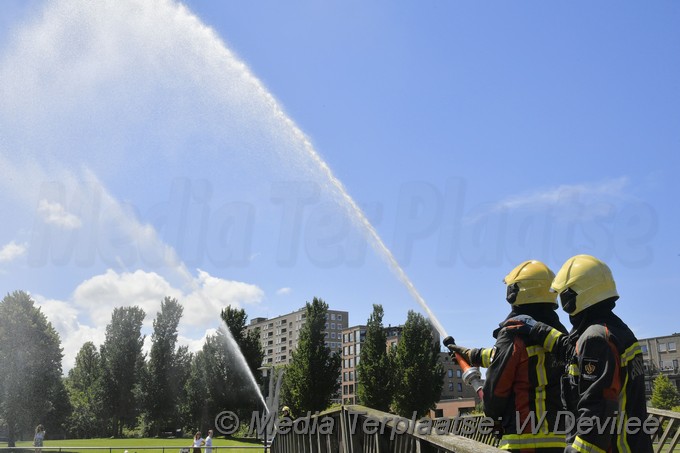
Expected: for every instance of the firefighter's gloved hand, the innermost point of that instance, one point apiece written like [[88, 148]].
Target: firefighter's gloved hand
[[521, 324], [462, 351]]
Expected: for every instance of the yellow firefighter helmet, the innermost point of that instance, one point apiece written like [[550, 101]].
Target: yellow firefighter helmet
[[583, 282], [529, 283]]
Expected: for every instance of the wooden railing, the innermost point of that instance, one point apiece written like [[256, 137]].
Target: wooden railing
[[387, 433], [358, 429], [668, 436]]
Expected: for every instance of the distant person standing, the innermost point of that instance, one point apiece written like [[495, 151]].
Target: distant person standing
[[198, 442], [39, 438], [208, 442]]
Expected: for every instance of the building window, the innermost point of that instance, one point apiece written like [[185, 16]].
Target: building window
[[460, 387], [333, 326], [333, 335], [450, 386], [662, 347], [459, 373], [671, 346], [351, 375], [357, 360], [675, 363], [644, 348], [339, 317], [450, 373], [351, 350]]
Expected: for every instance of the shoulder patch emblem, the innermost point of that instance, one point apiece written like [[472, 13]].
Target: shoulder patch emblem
[[590, 369]]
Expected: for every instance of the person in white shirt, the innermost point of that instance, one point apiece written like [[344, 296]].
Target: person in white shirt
[[208, 442], [198, 442], [39, 438]]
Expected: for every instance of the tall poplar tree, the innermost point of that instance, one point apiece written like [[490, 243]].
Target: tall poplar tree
[[418, 373], [311, 379], [84, 386], [31, 388], [374, 371], [122, 367], [163, 387]]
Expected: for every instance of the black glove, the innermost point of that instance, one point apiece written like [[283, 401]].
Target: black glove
[[521, 324], [462, 351]]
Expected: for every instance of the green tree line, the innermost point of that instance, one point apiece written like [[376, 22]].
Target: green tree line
[[115, 389]]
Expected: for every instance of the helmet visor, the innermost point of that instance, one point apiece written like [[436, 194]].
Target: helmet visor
[[568, 300], [513, 291]]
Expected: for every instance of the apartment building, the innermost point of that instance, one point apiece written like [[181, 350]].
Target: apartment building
[[661, 356], [279, 336], [352, 339], [454, 387]]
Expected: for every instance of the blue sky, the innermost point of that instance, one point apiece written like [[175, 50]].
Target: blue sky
[[158, 148]]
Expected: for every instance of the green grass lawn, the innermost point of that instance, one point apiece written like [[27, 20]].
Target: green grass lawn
[[147, 445]]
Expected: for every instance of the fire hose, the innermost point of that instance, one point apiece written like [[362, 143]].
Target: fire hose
[[471, 375]]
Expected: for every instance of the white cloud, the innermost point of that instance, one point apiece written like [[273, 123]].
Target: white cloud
[[84, 318], [211, 294], [99, 295], [55, 214], [11, 251], [613, 188], [73, 334], [283, 291], [563, 195], [195, 344]]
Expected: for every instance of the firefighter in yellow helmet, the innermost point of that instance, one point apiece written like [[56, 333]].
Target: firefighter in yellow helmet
[[522, 387], [604, 381]]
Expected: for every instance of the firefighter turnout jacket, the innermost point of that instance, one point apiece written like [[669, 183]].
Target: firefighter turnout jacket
[[604, 383], [522, 389]]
